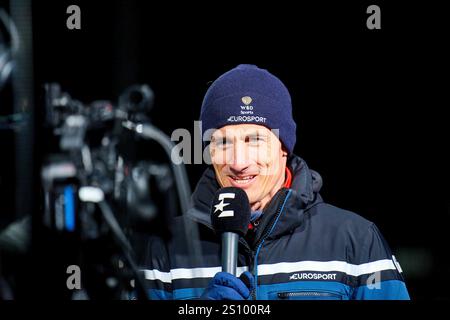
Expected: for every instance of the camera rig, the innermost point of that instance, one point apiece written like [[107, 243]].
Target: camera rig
[[97, 195]]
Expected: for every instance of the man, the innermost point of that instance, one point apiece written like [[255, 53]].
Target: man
[[297, 246]]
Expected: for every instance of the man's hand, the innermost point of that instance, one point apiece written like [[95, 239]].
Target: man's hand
[[225, 286]]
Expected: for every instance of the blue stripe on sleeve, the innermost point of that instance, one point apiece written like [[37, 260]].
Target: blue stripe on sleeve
[[384, 290], [187, 293]]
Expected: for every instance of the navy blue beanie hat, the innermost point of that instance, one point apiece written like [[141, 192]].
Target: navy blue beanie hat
[[248, 94]]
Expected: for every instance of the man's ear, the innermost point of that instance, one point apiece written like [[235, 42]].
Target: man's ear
[[284, 152]]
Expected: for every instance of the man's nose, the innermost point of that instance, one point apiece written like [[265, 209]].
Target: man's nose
[[240, 159]]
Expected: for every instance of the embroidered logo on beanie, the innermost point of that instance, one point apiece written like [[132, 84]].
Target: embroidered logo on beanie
[[246, 100]]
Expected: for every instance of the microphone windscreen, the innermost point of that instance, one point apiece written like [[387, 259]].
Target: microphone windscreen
[[230, 211]]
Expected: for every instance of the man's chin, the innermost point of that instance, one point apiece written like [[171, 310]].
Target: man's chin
[[256, 206], [255, 202]]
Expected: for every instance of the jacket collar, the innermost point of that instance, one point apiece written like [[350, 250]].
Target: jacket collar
[[304, 193]]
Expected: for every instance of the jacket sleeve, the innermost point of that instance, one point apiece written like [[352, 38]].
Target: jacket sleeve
[[155, 266], [380, 276]]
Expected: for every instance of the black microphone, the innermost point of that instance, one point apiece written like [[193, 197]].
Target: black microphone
[[230, 216]]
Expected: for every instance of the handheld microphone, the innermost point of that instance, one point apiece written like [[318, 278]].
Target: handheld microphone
[[230, 216]]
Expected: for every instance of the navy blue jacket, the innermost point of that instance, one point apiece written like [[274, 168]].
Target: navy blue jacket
[[303, 248]]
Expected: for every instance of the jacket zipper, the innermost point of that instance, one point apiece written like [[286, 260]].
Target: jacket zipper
[[272, 223], [287, 295], [261, 240]]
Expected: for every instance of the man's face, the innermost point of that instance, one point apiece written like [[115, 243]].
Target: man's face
[[250, 157]]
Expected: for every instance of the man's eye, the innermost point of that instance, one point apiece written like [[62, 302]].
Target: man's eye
[[221, 142], [255, 139]]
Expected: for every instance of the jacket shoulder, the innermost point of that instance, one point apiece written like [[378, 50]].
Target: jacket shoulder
[[334, 216], [345, 230]]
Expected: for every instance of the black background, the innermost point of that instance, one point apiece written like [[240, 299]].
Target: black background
[[364, 100]]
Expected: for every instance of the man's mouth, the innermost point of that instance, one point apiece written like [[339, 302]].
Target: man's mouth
[[241, 181]]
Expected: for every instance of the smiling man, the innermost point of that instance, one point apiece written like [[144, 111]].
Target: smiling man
[[298, 246], [250, 157]]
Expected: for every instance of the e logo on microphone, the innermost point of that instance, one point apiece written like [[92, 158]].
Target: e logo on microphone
[[232, 204], [221, 205]]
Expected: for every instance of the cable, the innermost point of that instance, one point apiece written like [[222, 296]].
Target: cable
[[125, 246], [151, 132]]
